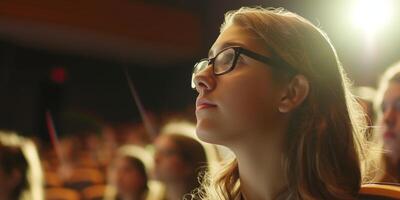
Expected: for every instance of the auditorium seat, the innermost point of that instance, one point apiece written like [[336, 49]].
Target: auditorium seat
[[380, 191]]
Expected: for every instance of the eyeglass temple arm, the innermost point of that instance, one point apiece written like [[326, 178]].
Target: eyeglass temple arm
[[266, 60]]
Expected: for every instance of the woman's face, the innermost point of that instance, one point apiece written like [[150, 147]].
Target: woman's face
[[168, 165], [391, 120], [129, 180], [240, 102]]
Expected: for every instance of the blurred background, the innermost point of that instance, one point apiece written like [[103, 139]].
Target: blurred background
[[68, 57]]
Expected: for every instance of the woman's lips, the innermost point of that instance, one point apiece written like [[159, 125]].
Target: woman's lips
[[204, 104]]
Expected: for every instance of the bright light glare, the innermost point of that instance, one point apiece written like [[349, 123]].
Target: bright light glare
[[371, 15]]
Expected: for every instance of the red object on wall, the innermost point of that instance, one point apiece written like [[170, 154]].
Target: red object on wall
[[58, 75]]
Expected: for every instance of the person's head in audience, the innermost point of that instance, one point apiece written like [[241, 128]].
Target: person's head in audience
[[129, 173], [131, 178], [273, 91], [79, 140], [108, 144], [13, 171], [20, 171], [132, 133], [387, 105], [179, 163]]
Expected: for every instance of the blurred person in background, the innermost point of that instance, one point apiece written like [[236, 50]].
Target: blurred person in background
[[387, 105], [108, 146], [128, 175], [216, 154], [80, 133], [21, 175], [179, 163], [132, 133]]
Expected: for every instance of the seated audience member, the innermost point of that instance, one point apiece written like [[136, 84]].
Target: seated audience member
[[387, 105], [20, 169], [179, 163], [128, 174]]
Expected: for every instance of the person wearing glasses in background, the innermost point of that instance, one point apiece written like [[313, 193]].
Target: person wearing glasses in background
[[273, 91], [387, 105]]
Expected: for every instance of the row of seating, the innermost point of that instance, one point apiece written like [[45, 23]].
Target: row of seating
[[380, 191], [95, 192]]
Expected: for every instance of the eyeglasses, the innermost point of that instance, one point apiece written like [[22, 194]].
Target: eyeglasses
[[225, 61]]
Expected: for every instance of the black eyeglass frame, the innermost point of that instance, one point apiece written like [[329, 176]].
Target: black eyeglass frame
[[240, 50]]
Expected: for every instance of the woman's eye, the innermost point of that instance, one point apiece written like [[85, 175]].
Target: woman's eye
[[240, 59], [227, 58]]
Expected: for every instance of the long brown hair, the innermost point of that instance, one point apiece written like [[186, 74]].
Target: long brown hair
[[325, 144]]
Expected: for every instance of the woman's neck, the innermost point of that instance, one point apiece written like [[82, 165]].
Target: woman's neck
[[261, 170]]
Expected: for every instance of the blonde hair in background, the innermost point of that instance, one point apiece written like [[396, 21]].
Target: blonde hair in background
[[326, 150], [34, 171]]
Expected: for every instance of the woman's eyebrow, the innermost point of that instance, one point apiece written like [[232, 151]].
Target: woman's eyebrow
[[223, 46]]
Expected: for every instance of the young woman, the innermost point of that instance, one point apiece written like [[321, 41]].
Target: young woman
[[273, 91]]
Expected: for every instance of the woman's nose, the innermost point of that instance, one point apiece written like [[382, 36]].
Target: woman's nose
[[205, 80]]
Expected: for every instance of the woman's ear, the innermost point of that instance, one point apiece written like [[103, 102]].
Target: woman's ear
[[294, 94]]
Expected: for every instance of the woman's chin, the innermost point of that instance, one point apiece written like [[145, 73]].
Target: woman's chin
[[208, 133]]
